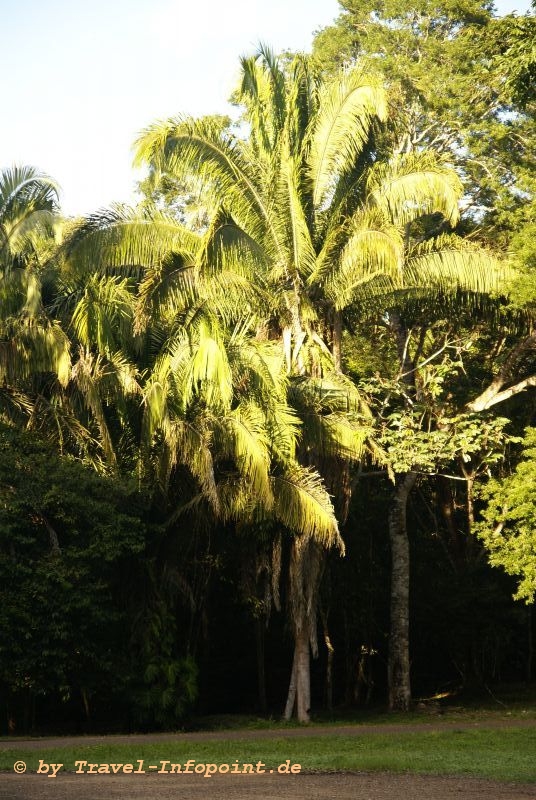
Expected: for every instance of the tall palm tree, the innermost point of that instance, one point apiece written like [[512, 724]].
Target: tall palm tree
[[212, 392], [310, 206], [30, 342]]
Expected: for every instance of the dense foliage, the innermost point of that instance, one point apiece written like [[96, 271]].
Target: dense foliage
[[313, 338]]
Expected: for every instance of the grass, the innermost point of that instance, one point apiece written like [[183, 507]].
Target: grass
[[503, 754], [449, 714]]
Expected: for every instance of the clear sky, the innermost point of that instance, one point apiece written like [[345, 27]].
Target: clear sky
[[80, 78]]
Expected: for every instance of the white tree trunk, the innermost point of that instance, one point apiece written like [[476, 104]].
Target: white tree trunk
[[299, 690]]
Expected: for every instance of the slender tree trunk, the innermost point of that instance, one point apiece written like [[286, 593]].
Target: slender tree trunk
[[455, 546], [398, 665], [303, 676], [469, 475], [329, 665], [398, 669], [85, 703], [291, 697]]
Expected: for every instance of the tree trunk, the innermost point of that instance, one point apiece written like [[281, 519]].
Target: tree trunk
[[329, 664], [291, 697], [303, 676], [85, 703], [456, 544], [299, 692], [398, 665], [307, 562]]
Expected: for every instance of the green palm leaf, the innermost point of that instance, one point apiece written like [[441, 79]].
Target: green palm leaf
[[121, 237], [449, 263], [199, 152], [247, 441], [347, 106], [411, 185], [303, 505], [373, 248]]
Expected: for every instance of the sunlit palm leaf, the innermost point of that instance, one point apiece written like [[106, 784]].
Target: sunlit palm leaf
[[347, 105], [199, 152], [412, 185], [247, 442], [302, 503], [122, 237], [449, 263]]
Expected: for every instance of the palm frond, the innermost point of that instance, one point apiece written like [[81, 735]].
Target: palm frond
[[294, 228], [56, 421], [166, 288], [122, 237], [155, 403], [103, 315], [262, 92], [303, 83], [303, 505], [15, 405], [247, 442], [414, 184], [229, 247], [448, 263], [189, 442], [334, 393], [28, 204], [336, 434], [29, 346], [209, 374], [284, 429], [373, 248], [347, 106], [87, 375], [196, 151], [25, 188]]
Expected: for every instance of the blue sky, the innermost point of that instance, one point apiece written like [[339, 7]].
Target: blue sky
[[80, 79]]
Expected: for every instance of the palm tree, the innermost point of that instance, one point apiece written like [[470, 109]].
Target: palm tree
[[211, 390], [309, 206], [28, 202], [30, 342]]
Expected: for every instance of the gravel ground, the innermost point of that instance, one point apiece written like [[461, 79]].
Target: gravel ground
[[339, 786]]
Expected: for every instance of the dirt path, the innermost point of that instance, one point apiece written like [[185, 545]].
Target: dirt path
[[342, 786]]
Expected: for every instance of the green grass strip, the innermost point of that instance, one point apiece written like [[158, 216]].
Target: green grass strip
[[506, 755]]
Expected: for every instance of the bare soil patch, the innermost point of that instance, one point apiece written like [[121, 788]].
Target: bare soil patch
[[343, 786]]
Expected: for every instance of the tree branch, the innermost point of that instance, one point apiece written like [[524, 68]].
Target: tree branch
[[495, 393], [499, 397]]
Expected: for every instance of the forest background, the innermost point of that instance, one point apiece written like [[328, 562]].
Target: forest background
[[267, 437]]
